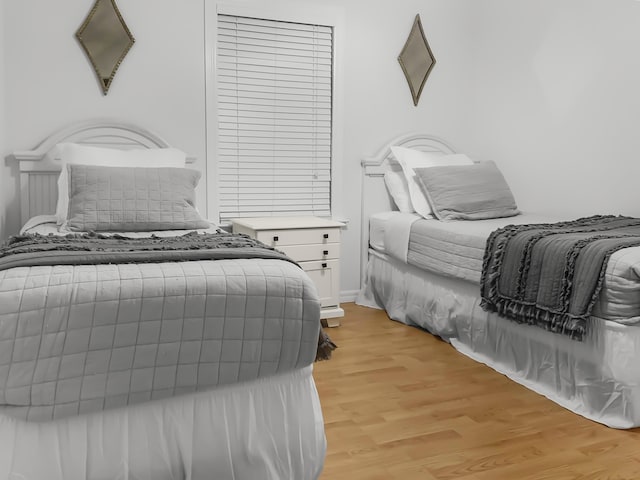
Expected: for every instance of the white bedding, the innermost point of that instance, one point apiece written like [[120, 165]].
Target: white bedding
[[46, 225], [598, 378], [377, 228], [456, 248], [267, 429]]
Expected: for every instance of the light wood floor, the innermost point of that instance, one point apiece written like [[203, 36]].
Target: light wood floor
[[400, 404]]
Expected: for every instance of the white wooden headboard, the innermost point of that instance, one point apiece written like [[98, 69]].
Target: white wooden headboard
[[39, 169], [375, 197]]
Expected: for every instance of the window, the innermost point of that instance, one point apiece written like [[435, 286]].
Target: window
[[274, 112]]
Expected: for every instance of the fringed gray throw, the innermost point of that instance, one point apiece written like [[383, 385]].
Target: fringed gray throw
[[325, 346], [94, 248], [550, 275]]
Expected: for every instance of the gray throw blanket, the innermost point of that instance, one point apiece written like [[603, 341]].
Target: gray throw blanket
[[94, 248], [550, 275]]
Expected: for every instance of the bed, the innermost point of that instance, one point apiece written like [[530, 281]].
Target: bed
[[128, 350], [428, 272]]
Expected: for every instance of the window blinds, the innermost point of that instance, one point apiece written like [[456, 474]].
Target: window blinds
[[274, 117]]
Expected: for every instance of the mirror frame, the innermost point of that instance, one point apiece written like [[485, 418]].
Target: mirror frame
[[116, 28], [412, 61]]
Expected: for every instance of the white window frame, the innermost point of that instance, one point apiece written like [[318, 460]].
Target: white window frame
[[289, 12]]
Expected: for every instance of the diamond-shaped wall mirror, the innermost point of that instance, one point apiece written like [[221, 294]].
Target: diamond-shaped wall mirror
[[416, 59], [106, 39]]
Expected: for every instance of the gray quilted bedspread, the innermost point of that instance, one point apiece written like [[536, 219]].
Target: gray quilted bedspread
[[81, 338]]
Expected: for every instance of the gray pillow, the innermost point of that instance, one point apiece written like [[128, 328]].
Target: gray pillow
[[467, 192], [126, 199]]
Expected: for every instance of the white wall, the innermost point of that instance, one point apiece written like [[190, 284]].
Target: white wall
[[557, 101], [161, 83], [377, 101], [546, 88], [49, 82], [6, 190]]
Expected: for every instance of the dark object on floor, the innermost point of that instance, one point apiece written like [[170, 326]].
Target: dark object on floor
[[325, 347]]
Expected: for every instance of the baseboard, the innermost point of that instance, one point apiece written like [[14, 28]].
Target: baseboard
[[349, 296]]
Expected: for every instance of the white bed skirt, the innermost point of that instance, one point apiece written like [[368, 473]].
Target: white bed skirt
[[269, 428], [598, 378]]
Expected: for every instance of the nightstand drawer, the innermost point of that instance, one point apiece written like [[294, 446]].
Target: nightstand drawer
[[303, 253], [325, 276], [301, 236]]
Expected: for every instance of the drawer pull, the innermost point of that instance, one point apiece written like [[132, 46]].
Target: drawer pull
[[275, 238], [324, 265], [326, 235], [325, 252]]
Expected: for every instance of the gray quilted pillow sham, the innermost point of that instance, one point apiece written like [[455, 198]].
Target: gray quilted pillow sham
[[467, 192], [132, 199]]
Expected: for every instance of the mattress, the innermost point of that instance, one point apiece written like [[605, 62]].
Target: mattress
[[377, 228], [455, 249], [82, 338]]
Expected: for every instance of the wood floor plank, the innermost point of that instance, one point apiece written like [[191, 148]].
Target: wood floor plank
[[398, 403]]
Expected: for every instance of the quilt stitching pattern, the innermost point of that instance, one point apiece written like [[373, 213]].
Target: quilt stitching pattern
[[76, 339]]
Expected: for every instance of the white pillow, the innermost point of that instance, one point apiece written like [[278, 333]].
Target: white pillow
[[110, 157], [398, 188], [409, 159]]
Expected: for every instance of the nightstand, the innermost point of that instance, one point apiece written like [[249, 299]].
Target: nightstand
[[312, 242]]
